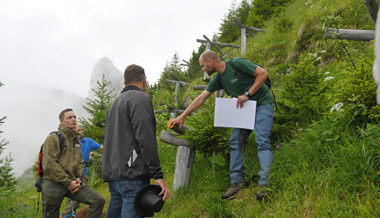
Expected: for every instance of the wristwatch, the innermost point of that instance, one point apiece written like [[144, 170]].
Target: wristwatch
[[247, 94]]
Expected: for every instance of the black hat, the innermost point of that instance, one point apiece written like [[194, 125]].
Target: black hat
[[147, 201]]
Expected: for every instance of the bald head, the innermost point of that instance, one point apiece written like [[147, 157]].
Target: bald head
[[209, 55]]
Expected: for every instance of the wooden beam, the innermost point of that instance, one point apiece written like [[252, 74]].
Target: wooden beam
[[348, 34], [173, 139], [178, 81], [177, 111], [216, 46], [199, 87], [237, 23], [372, 7], [176, 127], [219, 43]]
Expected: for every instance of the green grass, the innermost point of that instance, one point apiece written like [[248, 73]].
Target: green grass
[[325, 166]]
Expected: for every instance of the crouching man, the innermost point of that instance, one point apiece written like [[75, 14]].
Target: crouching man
[[63, 169]]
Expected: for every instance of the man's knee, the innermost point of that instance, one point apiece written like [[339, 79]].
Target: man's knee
[[101, 201], [98, 200]]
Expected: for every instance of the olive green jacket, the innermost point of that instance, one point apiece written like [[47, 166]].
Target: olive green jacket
[[66, 165]]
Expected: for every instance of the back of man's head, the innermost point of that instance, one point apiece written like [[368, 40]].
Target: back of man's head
[[209, 55], [133, 73]]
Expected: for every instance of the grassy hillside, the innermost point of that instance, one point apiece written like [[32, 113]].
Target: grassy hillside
[[325, 135]]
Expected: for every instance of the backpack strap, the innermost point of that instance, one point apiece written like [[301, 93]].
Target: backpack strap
[[267, 81], [234, 67], [62, 142], [238, 70]]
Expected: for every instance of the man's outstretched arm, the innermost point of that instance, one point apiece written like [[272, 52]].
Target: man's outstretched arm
[[198, 101]]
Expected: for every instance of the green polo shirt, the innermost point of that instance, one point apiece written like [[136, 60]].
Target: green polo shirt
[[237, 83]]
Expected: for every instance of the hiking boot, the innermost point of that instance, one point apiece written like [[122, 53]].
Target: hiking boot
[[233, 190], [261, 193]]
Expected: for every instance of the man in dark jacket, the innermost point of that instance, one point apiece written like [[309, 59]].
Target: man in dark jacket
[[63, 169], [130, 155]]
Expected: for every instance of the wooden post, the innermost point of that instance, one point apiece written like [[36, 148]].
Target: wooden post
[[185, 153], [243, 40], [376, 62], [372, 7], [357, 35], [184, 159], [176, 97], [205, 75], [183, 166]]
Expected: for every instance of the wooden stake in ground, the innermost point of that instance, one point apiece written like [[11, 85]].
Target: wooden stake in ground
[[185, 154]]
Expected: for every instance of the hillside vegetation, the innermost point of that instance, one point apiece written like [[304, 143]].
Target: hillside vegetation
[[325, 136]]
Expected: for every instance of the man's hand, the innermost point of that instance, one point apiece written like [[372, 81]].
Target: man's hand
[[179, 120], [164, 189], [240, 100], [74, 186]]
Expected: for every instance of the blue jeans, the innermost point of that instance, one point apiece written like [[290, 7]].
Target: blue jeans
[[123, 194], [238, 138]]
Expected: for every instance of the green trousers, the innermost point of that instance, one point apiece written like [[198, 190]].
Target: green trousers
[[72, 205], [53, 194]]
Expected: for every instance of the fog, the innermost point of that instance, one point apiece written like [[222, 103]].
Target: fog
[[32, 113]]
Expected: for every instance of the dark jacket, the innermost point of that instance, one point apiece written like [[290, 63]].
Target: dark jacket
[[130, 146], [66, 165]]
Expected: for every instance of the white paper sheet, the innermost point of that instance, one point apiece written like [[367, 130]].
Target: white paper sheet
[[228, 115]]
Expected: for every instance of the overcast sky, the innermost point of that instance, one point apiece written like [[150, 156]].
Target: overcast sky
[[55, 44], [49, 44]]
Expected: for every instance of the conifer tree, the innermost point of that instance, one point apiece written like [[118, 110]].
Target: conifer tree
[[7, 178], [97, 108], [94, 126]]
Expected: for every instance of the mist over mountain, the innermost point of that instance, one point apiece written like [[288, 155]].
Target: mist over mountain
[[111, 74], [32, 112]]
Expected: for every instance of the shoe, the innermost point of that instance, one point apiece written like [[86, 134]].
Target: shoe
[[261, 193], [233, 190]]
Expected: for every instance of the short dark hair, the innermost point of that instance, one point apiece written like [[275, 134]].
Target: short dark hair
[[209, 55], [62, 114], [133, 73]]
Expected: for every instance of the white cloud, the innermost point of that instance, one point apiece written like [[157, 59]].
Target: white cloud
[[47, 39], [51, 44]]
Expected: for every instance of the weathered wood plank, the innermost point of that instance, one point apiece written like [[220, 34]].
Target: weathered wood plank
[[348, 34], [178, 81], [172, 139], [376, 62], [216, 46], [199, 87], [237, 23], [243, 40], [183, 166], [169, 111], [372, 7], [219, 43]]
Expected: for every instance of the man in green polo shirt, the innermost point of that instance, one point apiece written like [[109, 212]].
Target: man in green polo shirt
[[247, 84]]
